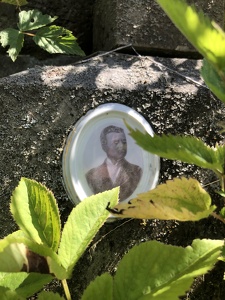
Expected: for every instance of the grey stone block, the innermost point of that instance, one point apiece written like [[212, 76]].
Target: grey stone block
[[143, 24], [39, 106]]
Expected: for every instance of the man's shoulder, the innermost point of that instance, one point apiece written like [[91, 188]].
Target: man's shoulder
[[131, 166], [96, 170]]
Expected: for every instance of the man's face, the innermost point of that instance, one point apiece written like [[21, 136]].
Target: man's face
[[116, 147]]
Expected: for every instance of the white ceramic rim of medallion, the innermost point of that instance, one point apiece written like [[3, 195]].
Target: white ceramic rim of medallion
[[81, 140]]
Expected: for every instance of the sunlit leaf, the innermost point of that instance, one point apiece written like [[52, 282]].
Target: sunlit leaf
[[18, 251], [33, 19], [14, 39], [206, 36], [188, 149], [157, 271], [15, 2], [35, 210], [101, 288], [214, 80], [83, 223], [25, 284], [178, 199], [56, 39]]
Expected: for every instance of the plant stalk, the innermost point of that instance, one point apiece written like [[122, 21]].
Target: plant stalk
[[218, 217], [66, 289]]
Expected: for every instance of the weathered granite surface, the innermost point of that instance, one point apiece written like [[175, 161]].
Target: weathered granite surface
[[39, 107], [143, 24]]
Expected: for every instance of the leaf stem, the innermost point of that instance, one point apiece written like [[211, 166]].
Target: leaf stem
[[66, 289], [28, 33], [215, 215]]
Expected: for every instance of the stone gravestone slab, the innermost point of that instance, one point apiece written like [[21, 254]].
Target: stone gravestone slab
[[39, 107], [143, 24]]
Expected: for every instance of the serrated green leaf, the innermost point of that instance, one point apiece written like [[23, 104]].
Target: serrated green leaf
[[24, 284], [222, 213], [188, 149], [7, 294], [101, 288], [82, 225], [206, 36], [35, 210], [14, 39], [214, 80], [33, 19], [49, 296], [56, 39], [157, 271], [14, 260], [15, 2], [179, 199]]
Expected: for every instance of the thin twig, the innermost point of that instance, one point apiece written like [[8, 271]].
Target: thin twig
[[215, 215]]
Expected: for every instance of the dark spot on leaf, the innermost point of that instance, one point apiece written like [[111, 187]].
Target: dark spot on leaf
[[36, 263]]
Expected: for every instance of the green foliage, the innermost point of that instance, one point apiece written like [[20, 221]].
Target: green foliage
[[206, 36], [83, 223], [54, 39], [35, 210], [181, 199], [184, 148], [38, 252], [101, 288], [153, 270]]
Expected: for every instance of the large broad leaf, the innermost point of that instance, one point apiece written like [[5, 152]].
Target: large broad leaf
[[56, 39], [33, 19], [101, 288], [178, 199], [156, 271], [214, 79], [14, 39], [35, 210], [205, 35], [82, 225], [24, 284], [49, 296], [7, 294], [188, 149]]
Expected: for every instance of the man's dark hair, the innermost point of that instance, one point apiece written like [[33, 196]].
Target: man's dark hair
[[107, 130]]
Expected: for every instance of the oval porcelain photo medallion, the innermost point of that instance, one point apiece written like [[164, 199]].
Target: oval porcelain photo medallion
[[100, 154]]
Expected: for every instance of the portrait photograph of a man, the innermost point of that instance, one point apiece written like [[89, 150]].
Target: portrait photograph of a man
[[115, 170]]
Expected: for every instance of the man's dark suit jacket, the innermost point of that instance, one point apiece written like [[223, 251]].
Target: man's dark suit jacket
[[128, 178]]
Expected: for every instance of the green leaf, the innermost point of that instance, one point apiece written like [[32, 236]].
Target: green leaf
[[157, 271], [7, 294], [25, 284], [222, 213], [15, 248], [33, 19], [49, 296], [214, 79], [56, 39], [101, 288], [206, 36], [15, 2], [35, 210], [82, 225], [179, 199], [14, 39], [188, 149]]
